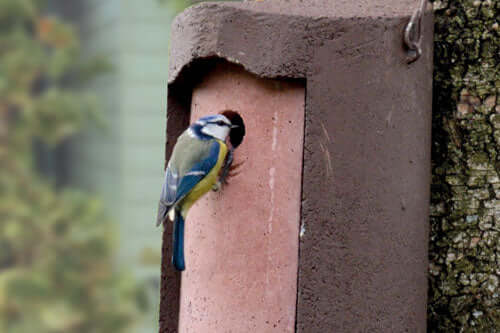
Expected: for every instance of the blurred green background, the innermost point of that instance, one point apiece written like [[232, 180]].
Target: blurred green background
[[82, 131]]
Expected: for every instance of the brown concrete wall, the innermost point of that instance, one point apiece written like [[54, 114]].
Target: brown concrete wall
[[363, 255], [178, 120]]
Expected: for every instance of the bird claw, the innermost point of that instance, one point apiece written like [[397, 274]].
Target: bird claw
[[235, 166], [233, 171], [231, 175], [229, 169]]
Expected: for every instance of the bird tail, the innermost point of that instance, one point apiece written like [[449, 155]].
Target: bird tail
[[178, 253]]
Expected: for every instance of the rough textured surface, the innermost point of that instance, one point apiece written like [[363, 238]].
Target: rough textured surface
[[242, 243], [170, 278], [363, 255], [465, 218], [170, 287], [274, 38], [363, 251]]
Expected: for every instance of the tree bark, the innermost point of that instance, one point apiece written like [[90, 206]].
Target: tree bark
[[465, 211]]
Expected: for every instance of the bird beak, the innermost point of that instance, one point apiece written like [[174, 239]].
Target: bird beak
[[235, 126]]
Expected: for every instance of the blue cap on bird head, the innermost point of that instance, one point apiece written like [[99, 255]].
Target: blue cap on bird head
[[217, 119]]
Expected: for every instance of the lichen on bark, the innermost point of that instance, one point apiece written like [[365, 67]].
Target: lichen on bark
[[465, 205]]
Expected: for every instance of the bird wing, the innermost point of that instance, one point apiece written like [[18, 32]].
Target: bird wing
[[176, 185], [198, 172]]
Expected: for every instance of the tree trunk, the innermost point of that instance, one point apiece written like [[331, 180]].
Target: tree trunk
[[465, 215]]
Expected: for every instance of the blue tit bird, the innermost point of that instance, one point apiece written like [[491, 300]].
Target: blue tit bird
[[198, 156]]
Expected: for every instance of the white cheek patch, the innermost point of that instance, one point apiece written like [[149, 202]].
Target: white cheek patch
[[218, 132]]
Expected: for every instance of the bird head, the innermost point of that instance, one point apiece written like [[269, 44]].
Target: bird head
[[216, 126]]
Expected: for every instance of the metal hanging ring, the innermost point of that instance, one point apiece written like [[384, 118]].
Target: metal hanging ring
[[413, 33]]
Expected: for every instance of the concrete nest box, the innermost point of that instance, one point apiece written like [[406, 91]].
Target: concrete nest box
[[325, 227]]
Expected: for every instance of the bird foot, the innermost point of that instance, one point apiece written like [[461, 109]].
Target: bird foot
[[229, 172], [233, 170]]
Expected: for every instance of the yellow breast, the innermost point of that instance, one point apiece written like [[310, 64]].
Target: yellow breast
[[206, 183]]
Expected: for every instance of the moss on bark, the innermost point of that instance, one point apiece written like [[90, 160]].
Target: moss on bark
[[465, 213]]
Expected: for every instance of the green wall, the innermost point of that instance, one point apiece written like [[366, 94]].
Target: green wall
[[123, 162]]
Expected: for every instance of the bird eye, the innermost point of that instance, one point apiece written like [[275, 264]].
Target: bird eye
[[221, 123]]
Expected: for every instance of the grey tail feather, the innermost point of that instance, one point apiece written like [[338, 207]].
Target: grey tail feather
[[162, 213]]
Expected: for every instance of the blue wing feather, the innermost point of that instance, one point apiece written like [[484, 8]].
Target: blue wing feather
[[197, 172], [176, 187]]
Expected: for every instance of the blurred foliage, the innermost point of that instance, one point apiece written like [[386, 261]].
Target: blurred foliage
[[56, 245], [179, 5], [176, 5]]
